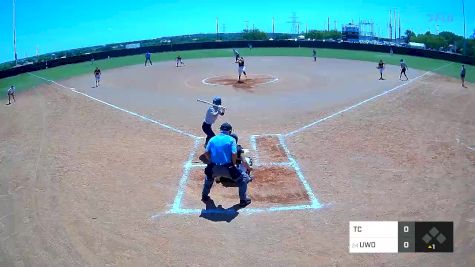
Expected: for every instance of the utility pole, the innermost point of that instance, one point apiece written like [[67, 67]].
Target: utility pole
[[328, 24], [399, 24], [217, 28], [14, 32], [464, 30], [390, 26], [247, 25], [273, 27], [395, 26], [295, 23]]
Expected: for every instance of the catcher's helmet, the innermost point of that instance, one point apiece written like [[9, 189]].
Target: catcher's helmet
[[217, 100], [226, 127], [233, 135]]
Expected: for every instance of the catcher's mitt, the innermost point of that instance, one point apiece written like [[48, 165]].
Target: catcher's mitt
[[204, 159]]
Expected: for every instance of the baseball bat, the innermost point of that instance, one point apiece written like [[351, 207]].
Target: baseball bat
[[209, 103]]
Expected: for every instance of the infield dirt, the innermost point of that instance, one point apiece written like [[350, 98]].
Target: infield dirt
[[80, 182]]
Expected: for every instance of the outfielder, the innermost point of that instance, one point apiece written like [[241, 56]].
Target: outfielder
[[210, 118], [148, 58], [221, 152], [314, 52], [462, 76]]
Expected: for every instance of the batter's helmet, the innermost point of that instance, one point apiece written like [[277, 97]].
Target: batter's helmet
[[226, 127], [217, 100]]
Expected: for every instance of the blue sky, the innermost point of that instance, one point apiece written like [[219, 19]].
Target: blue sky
[[59, 25]]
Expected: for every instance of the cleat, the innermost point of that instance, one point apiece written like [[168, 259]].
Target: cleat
[[245, 202]]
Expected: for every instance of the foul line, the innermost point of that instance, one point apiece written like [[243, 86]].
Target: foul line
[[362, 102], [188, 165], [175, 209], [274, 79], [315, 203], [119, 108], [465, 145], [184, 178]]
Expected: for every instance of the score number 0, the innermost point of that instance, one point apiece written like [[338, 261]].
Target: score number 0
[[406, 230]]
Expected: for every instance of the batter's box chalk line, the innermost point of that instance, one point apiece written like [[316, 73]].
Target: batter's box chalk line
[[176, 206], [291, 162]]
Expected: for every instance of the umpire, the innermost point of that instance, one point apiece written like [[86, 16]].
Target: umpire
[[221, 152]]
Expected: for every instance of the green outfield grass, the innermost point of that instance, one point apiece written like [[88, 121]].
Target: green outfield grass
[[25, 81]]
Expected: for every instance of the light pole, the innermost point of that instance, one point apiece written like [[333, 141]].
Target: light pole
[[464, 29], [14, 32], [217, 28], [273, 27]]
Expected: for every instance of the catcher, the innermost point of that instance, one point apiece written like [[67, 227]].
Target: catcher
[[243, 164]]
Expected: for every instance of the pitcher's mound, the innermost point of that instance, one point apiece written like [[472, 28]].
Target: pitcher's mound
[[251, 81]]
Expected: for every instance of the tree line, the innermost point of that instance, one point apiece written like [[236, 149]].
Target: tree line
[[446, 41]]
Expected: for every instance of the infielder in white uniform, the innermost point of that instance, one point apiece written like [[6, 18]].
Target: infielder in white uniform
[[97, 75], [179, 61], [11, 93]]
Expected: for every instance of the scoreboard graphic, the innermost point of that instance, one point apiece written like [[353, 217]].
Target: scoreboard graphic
[[395, 237]]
